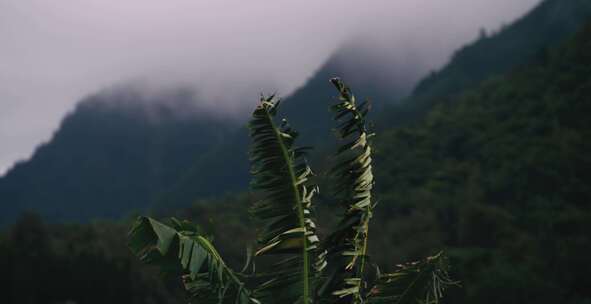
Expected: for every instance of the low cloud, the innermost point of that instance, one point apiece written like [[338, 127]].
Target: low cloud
[[53, 53]]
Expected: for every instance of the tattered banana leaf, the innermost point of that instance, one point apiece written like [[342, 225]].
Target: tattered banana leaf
[[281, 175], [347, 246], [420, 282], [182, 250]]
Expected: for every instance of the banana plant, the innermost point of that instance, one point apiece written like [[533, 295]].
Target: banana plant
[[305, 268]]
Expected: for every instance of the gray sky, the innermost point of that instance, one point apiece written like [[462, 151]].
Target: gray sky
[[52, 53]]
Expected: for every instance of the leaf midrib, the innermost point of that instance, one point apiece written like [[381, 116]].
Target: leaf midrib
[[300, 209]]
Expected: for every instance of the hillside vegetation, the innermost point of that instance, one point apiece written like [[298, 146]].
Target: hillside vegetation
[[503, 177], [526, 41], [115, 153]]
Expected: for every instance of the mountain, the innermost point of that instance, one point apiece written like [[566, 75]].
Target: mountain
[[394, 101], [501, 176], [520, 43], [526, 40], [113, 154], [373, 76], [122, 150], [382, 80]]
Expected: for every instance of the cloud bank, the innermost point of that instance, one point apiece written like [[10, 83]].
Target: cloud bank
[[53, 53]]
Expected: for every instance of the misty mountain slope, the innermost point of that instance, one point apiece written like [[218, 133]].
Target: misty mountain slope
[[113, 154], [107, 160], [371, 75], [307, 109], [385, 83], [502, 177], [120, 151], [526, 40], [222, 169]]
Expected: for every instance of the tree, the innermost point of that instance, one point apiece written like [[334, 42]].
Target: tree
[[305, 269]]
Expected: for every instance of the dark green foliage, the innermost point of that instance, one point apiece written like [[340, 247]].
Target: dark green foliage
[[284, 211], [184, 250], [347, 245], [281, 175], [418, 282], [78, 263], [501, 176]]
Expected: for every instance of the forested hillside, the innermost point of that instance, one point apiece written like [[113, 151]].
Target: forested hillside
[[501, 177], [123, 150], [105, 161], [527, 40], [115, 153], [227, 164], [493, 54], [499, 53]]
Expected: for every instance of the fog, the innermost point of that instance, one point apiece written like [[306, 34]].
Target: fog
[[53, 53]]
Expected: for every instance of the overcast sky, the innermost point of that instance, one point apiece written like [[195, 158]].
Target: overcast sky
[[52, 53]]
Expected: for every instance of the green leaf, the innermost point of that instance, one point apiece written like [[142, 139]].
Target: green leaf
[[347, 245], [281, 175], [417, 282], [205, 275]]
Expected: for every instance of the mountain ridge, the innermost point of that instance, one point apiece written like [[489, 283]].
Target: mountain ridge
[[111, 142], [114, 163], [524, 41]]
